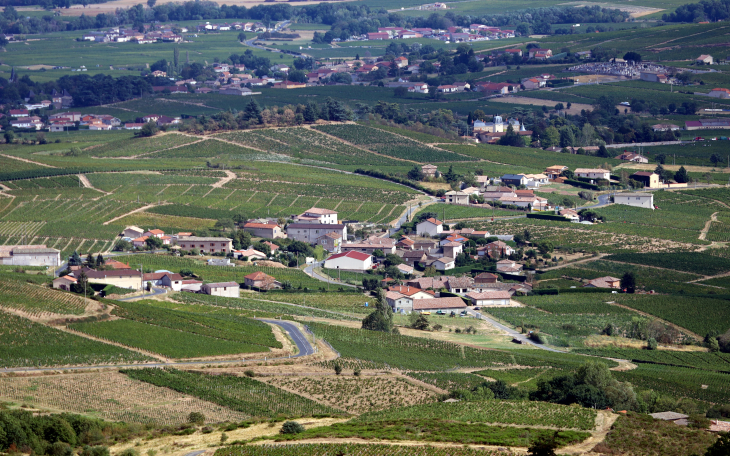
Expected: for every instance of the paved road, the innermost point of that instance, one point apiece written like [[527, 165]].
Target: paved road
[[410, 211], [305, 349], [155, 292], [511, 331], [309, 270], [195, 453]]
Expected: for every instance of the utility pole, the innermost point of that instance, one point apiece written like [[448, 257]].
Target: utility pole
[[141, 271]]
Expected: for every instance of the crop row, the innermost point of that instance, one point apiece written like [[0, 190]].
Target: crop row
[[28, 344], [694, 262], [680, 382], [698, 360], [448, 381], [35, 299], [240, 394], [137, 146], [329, 449]]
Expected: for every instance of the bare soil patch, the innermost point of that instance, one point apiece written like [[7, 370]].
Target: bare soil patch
[[575, 108]]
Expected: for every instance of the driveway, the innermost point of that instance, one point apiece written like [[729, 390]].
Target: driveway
[[309, 270], [305, 348]]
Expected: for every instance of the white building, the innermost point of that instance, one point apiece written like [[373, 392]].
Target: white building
[[350, 261], [430, 227], [223, 289], [453, 197], [645, 200], [444, 264], [29, 255], [593, 173], [318, 216], [489, 298], [400, 303], [132, 232]]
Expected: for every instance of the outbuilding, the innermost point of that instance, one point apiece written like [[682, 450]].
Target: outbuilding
[[350, 261], [430, 227], [223, 289], [643, 200], [489, 298]]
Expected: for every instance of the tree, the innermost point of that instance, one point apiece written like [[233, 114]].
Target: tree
[[651, 344], [82, 282], [241, 37], [632, 56], [511, 138], [291, 427], [148, 129], [90, 262], [381, 319], [450, 175], [9, 136], [153, 242], [392, 259], [151, 3], [416, 173], [419, 322], [628, 282], [75, 259], [721, 447], [544, 445], [196, 418], [681, 176]]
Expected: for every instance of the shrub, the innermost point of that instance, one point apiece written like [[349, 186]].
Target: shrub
[[196, 418], [338, 369], [291, 427], [249, 373]]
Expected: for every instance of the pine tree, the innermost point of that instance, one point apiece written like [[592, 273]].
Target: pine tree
[[90, 261], [381, 319], [75, 259], [187, 57], [176, 58], [100, 261], [310, 113]]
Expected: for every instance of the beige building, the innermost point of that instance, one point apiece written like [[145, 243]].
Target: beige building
[[206, 244], [318, 216], [264, 230], [429, 170], [454, 197], [311, 232], [29, 255], [132, 232], [222, 289], [122, 278]]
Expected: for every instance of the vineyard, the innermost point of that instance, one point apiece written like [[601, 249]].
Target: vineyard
[[329, 449], [29, 344], [448, 381], [210, 149], [164, 341], [37, 300], [697, 263], [229, 327], [453, 212], [680, 382], [138, 146], [356, 395], [697, 360], [112, 396], [240, 394], [390, 144], [524, 378], [523, 413]]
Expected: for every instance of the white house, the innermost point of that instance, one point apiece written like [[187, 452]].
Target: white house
[[400, 303], [450, 304], [351, 261], [645, 200], [223, 289], [444, 264], [318, 216], [593, 173], [453, 197], [430, 227], [489, 298]]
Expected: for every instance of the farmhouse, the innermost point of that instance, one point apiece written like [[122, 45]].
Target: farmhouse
[[260, 280], [122, 278], [509, 267], [331, 242], [165, 279], [64, 283], [593, 173], [223, 289], [132, 232], [369, 246], [350, 261], [444, 264], [317, 215], [29, 255], [449, 304], [264, 230], [400, 303], [311, 232], [413, 257], [648, 178], [632, 157], [644, 200], [430, 227], [429, 170], [251, 254], [412, 292], [604, 282], [454, 197], [489, 298], [206, 244], [495, 249]]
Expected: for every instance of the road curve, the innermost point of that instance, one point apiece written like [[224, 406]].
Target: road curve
[[305, 349], [512, 332]]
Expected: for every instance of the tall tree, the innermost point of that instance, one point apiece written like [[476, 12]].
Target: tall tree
[[75, 259], [176, 58], [381, 319], [100, 261], [681, 176], [628, 282]]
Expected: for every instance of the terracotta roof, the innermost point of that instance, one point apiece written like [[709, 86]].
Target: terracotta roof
[[395, 295], [603, 282], [407, 290], [261, 225], [486, 275], [316, 210], [156, 231], [439, 303], [434, 221], [315, 226], [445, 260], [460, 282], [69, 278], [258, 275]]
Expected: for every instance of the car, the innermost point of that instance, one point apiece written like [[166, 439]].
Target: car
[[440, 312], [477, 308], [425, 313]]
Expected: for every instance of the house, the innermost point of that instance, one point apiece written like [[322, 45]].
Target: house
[[132, 232], [509, 267], [593, 173], [240, 91], [222, 289], [133, 126], [220, 262], [425, 244], [544, 53], [259, 280], [430, 227], [29, 255], [459, 284], [653, 76], [289, 85], [446, 88], [719, 93], [517, 52], [450, 304], [378, 36], [457, 197], [165, 279], [604, 282], [570, 214], [413, 257], [331, 242], [412, 292], [140, 242], [429, 170], [704, 59], [191, 285], [206, 244], [405, 243], [501, 88], [18, 113], [535, 180], [533, 83], [632, 157], [250, 254], [350, 261], [114, 264], [514, 179], [312, 232], [405, 269], [648, 178], [400, 303], [264, 230], [444, 264], [452, 249], [317, 215], [370, 245], [496, 249], [64, 283], [644, 200], [154, 233], [489, 298], [122, 278]]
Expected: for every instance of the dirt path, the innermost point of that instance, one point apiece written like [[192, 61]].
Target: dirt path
[[406, 443], [677, 327], [604, 421], [224, 180], [575, 108], [585, 260], [87, 184], [706, 229], [623, 365], [28, 161], [109, 342], [143, 208]]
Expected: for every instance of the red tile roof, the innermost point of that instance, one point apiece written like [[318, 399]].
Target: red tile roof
[[351, 254]]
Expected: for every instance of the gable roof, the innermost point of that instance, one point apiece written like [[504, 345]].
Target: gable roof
[[452, 302], [433, 221], [258, 275], [351, 254]]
